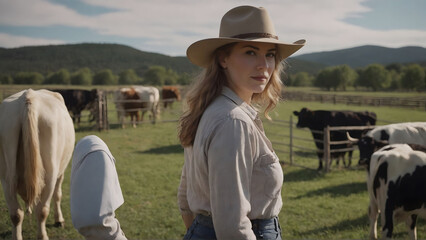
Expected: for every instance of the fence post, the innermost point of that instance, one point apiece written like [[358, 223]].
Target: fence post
[[102, 113], [326, 149], [291, 139]]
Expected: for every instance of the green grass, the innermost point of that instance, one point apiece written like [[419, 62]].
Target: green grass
[[149, 160]]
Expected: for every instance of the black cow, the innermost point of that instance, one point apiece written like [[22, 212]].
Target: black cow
[[380, 136], [78, 100], [319, 119]]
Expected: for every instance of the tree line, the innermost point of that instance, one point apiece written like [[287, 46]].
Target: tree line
[[155, 75], [338, 78], [375, 77]]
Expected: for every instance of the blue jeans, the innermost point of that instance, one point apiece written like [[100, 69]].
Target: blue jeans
[[202, 228]]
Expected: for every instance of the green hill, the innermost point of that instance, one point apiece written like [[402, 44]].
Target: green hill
[[366, 55], [44, 59]]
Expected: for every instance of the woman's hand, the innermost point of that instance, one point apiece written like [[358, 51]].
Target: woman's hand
[[187, 219]]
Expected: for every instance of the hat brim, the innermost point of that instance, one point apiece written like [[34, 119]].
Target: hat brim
[[201, 52]]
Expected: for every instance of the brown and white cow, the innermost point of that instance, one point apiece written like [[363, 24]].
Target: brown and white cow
[[169, 95], [36, 143], [129, 101], [396, 183]]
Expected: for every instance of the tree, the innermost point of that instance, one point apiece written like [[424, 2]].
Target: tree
[[82, 77], [413, 77], [171, 77], [395, 82], [302, 79], [128, 77], [159, 75], [184, 79], [394, 66], [105, 77], [6, 79], [323, 78], [375, 76], [155, 75], [28, 78], [342, 77], [60, 77]]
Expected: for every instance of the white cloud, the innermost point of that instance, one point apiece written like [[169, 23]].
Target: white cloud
[[11, 41], [169, 26]]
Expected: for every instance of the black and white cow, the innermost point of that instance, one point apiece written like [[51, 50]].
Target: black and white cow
[[396, 183], [380, 136], [319, 119]]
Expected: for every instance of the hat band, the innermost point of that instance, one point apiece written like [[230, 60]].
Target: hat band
[[255, 35]]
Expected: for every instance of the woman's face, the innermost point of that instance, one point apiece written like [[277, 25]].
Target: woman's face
[[249, 67]]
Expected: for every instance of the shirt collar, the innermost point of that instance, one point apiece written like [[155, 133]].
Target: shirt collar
[[251, 112]]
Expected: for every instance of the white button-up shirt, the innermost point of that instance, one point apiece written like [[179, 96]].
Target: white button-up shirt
[[231, 172]]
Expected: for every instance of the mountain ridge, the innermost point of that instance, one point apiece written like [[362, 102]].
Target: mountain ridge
[[118, 57]]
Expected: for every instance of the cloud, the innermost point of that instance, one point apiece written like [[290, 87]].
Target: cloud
[[169, 26], [12, 41]]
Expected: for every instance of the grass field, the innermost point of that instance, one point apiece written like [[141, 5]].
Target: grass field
[[149, 160]]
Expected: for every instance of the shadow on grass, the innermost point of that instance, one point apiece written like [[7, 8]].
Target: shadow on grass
[[164, 150], [304, 174], [306, 154], [336, 191], [360, 222]]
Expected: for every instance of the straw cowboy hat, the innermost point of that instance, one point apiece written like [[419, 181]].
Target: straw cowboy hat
[[241, 24]]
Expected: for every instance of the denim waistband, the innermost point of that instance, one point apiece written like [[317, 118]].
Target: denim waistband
[[272, 223]]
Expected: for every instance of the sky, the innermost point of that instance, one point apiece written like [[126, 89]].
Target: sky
[[170, 26]]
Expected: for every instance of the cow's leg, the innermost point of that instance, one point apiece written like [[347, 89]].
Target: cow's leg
[[320, 160], [349, 158], [387, 222], [411, 224], [15, 212], [373, 213], [57, 197], [154, 115], [43, 207]]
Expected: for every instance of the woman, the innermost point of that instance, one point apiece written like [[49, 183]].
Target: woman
[[231, 179], [95, 191]]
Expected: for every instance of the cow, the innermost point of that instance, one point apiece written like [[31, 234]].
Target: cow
[[129, 101], [396, 183], [169, 95], [380, 136], [319, 119], [151, 96], [77, 100], [36, 143]]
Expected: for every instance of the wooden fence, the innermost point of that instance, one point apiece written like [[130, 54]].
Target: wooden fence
[[409, 102], [290, 147]]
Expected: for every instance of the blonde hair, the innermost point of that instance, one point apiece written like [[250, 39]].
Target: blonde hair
[[209, 84]]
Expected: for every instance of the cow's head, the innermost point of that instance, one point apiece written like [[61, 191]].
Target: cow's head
[[367, 146], [306, 117]]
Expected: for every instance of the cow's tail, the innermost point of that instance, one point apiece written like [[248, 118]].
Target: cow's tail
[[33, 166]]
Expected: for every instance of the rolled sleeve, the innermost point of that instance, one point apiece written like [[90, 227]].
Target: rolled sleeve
[[230, 165]]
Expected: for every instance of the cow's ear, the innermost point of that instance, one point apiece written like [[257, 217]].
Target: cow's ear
[[296, 113]]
